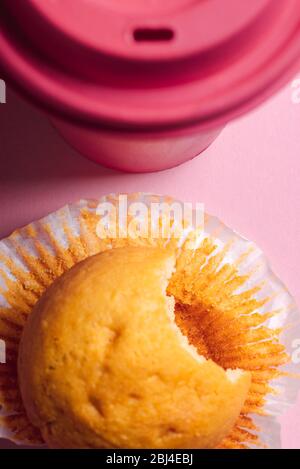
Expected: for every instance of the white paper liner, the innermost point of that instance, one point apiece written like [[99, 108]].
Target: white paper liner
[[288, 318]]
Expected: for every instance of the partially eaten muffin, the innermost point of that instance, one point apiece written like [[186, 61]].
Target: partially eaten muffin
[[114, 356]]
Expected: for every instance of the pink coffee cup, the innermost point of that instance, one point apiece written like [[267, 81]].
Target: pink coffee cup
[[143, 86]]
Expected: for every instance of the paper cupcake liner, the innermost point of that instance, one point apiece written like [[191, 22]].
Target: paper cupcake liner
[[229, 269]]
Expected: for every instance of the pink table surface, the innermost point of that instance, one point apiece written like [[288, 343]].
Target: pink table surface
[[250, 178]]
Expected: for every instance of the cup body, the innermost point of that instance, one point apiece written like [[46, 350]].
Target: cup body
[[133, 152]]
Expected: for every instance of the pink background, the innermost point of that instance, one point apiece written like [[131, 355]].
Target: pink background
[[250, 178]]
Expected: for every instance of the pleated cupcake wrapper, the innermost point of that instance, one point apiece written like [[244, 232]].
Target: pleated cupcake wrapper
[[33, 256]]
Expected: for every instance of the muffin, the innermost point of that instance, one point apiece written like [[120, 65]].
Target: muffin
[[233, 320], [102, 363]]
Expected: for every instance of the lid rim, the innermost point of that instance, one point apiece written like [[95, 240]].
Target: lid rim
[[217, 120]]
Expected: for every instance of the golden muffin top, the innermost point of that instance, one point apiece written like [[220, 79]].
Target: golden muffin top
[[102, 363]]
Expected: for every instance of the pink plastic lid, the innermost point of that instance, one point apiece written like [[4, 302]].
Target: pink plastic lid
[[149, 64]]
